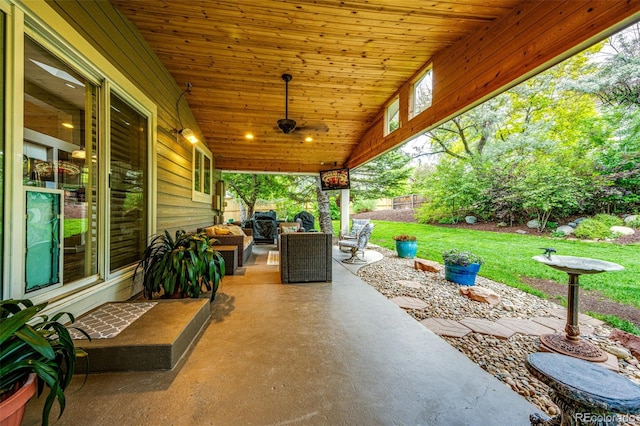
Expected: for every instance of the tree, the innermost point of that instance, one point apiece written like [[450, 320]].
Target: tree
[[250, 188], [324, 214], [383, 177]]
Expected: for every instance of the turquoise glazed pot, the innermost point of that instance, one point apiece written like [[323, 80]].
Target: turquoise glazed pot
[[407, 249], [463, 275]]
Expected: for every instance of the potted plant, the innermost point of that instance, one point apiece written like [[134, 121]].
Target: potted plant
[[406, 246], [181, 266], [461, 266], [36, 350]]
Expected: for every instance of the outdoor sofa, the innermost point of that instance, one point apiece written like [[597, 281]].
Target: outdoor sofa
[[233, 235]]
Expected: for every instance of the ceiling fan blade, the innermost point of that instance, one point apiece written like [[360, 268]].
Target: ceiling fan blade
[[313, 127]]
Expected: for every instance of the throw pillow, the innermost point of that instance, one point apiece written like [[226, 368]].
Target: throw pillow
[[220, 230], [289, 229], [236, 230]]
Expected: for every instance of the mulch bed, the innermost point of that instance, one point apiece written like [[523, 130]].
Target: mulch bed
[[590, 301]]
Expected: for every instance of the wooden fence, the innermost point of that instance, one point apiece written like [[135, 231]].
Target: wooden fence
[[412, 201]]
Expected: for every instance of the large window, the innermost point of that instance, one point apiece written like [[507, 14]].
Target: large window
[[128, 184], [59, 156], [422, 93], [71, 227], [201, 175]]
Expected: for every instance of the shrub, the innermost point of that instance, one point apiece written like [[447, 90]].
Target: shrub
[[608, 219], [362, 206], [592, 229], [462, 258], [404, 237], [634, 223], [558, 234]]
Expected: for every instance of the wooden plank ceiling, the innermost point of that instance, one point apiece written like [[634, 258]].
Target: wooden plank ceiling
[[347, 58]]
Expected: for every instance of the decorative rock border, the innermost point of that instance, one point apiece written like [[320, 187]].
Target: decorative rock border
[[443, 307]]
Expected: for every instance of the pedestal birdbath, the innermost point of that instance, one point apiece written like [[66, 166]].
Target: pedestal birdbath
[[570, 343]]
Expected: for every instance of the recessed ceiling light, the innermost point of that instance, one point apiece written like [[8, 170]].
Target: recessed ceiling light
[[67, 125], [249, 136], [308, 139]]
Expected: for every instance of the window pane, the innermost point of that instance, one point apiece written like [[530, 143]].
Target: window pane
[[422, 93], [197, 166], [207, 175], [60, 150], [2, 145], [128, 184], [393, 116]]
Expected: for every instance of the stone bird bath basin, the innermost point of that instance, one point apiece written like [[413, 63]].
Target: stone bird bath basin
[[578, 265]]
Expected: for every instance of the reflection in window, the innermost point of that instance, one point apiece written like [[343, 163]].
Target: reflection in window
[[422, 93], [393, 116], [128, 224], [60, 150]]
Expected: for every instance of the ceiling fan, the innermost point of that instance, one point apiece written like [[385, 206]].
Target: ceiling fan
[[288, 125]]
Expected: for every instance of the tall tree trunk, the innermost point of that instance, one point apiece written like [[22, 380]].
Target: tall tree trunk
[[323, 209]]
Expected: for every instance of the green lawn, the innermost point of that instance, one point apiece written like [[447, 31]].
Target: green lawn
[[508, 256]]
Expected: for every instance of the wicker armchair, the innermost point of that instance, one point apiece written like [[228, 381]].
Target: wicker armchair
[[305, 257]]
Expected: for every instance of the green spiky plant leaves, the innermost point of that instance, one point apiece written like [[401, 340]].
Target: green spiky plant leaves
[[34, 343], [182, 264]]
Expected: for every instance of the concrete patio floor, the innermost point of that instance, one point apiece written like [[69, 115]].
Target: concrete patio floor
[[308, 354]]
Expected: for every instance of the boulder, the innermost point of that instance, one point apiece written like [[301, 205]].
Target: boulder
[[630, 218], [572, 224], [624, 230], [480, 294], [502, 225], [566, 229], [521, 231], [533, 224], [628, 340], [470, 219], [427, 265], [580, 219]]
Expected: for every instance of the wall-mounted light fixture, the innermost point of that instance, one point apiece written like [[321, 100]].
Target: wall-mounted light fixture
[[185, 133]]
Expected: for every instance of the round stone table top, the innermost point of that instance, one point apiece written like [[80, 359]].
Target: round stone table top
[[586, 382]]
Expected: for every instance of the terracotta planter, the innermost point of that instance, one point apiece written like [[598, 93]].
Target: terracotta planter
[[12, 408]]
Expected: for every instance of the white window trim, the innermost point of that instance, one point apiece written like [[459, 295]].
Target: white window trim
[[200, 196], [388, 115], [413, 108], [79, 53]]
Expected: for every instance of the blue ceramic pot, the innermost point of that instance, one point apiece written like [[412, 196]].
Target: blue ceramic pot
[[407, 249], [463, 275]]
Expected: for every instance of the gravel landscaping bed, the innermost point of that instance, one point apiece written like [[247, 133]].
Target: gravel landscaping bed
[[504, 359]]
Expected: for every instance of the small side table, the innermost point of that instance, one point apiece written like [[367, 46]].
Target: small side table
[[230, 256], [586, 393]]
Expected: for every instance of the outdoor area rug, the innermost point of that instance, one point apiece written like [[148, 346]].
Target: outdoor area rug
[[274, 257], [109, 320]]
